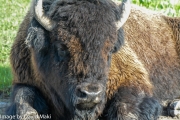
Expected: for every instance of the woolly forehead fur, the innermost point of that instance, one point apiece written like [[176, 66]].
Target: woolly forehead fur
[[89, 33]]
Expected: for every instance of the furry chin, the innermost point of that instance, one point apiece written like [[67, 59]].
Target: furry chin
[[85, 114]]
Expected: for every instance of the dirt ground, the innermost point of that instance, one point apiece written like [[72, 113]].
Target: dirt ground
[[168, 118]]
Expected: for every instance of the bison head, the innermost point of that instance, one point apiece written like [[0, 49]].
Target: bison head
[[71, 43]]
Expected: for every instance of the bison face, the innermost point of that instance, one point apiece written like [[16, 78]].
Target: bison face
[[71, 52]]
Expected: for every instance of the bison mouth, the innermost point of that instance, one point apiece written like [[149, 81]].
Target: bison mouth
[[88, 109], [86, 106]]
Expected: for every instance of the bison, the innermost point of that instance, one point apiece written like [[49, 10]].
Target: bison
[[74, 60]]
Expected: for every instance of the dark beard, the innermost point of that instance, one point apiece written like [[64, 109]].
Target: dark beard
[[85, 114]]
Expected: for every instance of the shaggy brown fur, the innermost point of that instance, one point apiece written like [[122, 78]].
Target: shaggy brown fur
[[147, 65], [127, 70], [154, 38]]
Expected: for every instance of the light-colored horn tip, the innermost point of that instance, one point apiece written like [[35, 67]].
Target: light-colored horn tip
[[126, 9], [40, 16]]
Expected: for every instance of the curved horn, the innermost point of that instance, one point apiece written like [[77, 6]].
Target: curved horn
[[125, 11], [40, 16]]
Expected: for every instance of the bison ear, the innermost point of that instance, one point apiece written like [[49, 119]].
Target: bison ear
[[37, 36], [120, 40]]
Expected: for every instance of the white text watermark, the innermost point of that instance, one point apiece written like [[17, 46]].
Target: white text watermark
[[26, 117]]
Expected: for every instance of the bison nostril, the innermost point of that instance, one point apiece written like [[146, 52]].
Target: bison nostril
[[80, 93]]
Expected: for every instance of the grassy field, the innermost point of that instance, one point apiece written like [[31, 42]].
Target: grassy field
[[12, 12], [169, 7]]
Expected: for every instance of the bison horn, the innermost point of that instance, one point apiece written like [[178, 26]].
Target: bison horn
[[125, 11], [40, 16]]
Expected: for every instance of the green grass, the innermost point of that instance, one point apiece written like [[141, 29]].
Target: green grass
[[13, 11], [5, 73], [168, 7]]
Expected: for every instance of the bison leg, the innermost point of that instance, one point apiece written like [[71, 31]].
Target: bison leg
[[27, 103], [174, 108], [127, 105], [150, 109]]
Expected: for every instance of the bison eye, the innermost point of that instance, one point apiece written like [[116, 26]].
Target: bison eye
[[61, 52], [64, 18]]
